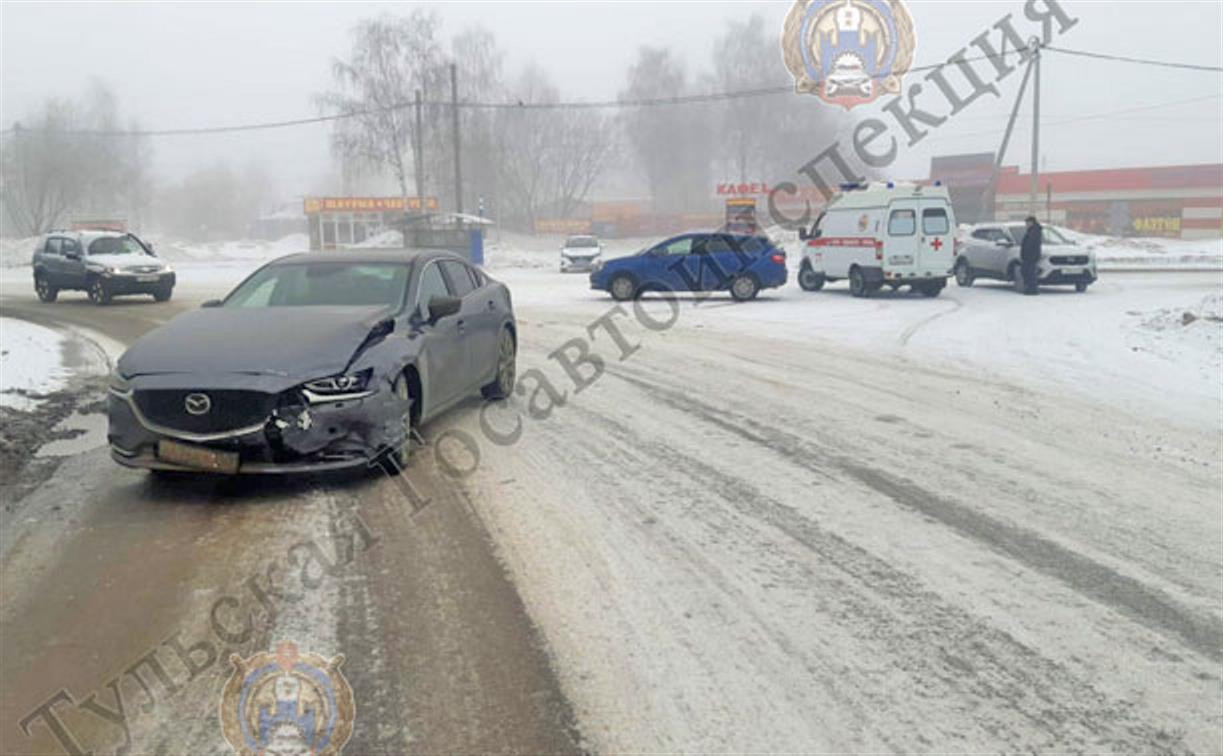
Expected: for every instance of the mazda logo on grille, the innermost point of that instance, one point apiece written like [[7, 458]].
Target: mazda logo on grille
[[197, 404]]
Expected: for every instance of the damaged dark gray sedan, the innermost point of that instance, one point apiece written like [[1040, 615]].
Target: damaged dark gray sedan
[[317, 361]]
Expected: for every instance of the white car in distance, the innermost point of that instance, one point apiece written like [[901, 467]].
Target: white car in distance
[[580, 253]]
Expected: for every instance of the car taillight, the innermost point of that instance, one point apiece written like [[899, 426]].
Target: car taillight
[[778, 258], [955, 247], [878, 250]]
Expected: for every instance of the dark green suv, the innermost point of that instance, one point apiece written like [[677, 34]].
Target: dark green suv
[[103, 264]]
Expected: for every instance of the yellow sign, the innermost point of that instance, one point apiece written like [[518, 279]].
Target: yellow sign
[[562, 226], [1158, 225], [367, 204]]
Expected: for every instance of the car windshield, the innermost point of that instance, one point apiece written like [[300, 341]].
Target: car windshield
[[323, 284], [582, 241], [1048, 235], [115, 245]]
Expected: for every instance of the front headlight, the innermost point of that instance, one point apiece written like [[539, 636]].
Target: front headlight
[[597, 266], [337, 385]]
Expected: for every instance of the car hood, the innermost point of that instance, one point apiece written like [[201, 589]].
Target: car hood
[[288, 342], [124, 261], [580, 251]]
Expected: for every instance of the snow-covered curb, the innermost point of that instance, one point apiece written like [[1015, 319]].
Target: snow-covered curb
[[31, 363]]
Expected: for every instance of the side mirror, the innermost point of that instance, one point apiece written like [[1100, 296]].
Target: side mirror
[[802, 233], [443, 307], [73, 255], [1005, 243], [211, 303]]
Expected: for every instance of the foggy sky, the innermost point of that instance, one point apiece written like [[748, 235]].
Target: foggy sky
[[188, 65]]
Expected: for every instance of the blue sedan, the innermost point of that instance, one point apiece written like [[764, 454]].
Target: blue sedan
[[740, 264]]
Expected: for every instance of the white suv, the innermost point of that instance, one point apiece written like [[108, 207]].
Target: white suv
[[991, 250], [580, 253]]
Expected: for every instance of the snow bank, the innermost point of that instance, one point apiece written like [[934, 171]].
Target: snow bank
[[31, 363], [1116, 252], [15, 253], [243, 250], [509, 249]]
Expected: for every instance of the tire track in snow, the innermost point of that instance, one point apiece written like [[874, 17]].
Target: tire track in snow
[[1149, 606], [952, 656], [910, 331]]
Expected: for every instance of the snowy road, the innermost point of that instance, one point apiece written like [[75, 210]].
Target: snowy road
[[810, 523]]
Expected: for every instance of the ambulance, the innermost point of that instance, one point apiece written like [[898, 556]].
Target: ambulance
[[881, 234]]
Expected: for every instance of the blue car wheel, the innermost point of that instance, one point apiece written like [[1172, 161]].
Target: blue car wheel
[[623, 287]]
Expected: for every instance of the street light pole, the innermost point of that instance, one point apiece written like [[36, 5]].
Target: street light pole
[[1034, 199], [458, 163]]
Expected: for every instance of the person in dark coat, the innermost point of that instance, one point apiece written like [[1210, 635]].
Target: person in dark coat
[[1029, 255]]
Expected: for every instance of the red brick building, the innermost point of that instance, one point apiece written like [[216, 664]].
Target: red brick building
[[1181, 201]]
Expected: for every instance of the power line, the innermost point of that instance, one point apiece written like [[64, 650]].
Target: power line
[[471, 105], [1142, 61], [1088, 117], [569, 105]]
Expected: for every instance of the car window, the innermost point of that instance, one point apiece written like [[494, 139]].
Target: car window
[[934, 221], [69, 245], [460, 279], [752, 244], [581, 241], [1051, 235], [717, 245], [322, 284], [987, 234], [52, 247], [115, 245], [902, 223], [678, 247], [432, 284]]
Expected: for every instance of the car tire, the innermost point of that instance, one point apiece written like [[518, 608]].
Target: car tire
[[395, 459], [744, 288], [98, 293], [163, 295], [507, 356], [623, 288], [809, 280], [1080, 287], [857, 283], [43, 288], [963, 274], [932, 289]]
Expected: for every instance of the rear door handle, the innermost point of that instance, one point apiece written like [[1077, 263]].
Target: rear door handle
[[492, 305], [462, 326]]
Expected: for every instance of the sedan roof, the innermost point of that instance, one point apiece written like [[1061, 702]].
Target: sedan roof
[[370, 255]]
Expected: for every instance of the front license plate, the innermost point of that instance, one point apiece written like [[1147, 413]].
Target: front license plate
[[147, 279], [197, 457]]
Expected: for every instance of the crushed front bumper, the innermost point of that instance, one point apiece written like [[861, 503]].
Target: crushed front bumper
[[296, 436]]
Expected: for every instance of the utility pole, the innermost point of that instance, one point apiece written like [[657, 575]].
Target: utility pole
[[418, 147], [989, 201], [1034, 199], [458, 163]]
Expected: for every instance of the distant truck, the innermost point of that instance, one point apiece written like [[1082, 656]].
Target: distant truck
[[879, 235]]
